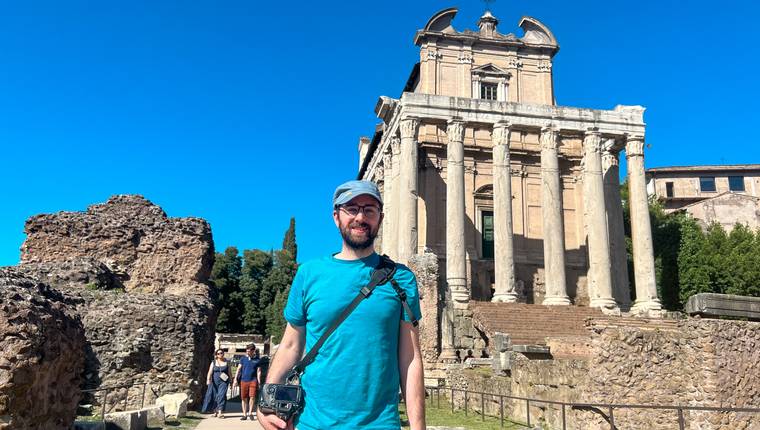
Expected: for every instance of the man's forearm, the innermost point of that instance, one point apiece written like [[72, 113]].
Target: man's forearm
[[414, 395], [288, 354]]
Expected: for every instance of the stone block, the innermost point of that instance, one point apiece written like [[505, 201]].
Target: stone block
[[531, 349], [127, 420], [174, 404], [156, 415], [723, 305]]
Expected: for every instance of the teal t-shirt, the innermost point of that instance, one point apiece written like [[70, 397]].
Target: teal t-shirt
[[354, 381]]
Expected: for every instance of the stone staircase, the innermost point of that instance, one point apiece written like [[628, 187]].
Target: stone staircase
[[529, 324]]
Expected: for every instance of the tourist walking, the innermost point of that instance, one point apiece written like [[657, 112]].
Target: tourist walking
[[248, 375], [217, 379], [353, 380]]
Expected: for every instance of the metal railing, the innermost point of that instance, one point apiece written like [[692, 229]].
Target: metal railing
[[107, 390], [598, 408]]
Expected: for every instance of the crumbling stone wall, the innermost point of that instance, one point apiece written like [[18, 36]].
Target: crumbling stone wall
[[425, 268], [164, 341], [146, 250], [139, 281], [41, 359]]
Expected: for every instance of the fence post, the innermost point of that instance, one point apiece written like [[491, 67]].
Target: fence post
[[612, 420], [438, 392], [482, 406], [465, 402], [501, 410], [681, 423], [126, 396], [103, 409], [142, 402], [452, 400], [564, 422], [527, 410]]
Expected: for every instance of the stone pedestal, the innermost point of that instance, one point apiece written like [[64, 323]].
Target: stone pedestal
[[504, 258], [599, 275], [551, 213], [641, 230], [407, 208]]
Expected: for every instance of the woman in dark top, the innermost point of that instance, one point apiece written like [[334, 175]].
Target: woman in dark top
[[217, 379]]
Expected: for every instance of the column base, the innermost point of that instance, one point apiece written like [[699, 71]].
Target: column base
[[556, 301], [647, 308], [504, 298], [459, 296], [448, 355], [607, 305]]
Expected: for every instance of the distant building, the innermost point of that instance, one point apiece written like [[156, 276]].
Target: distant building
[[726, 194]]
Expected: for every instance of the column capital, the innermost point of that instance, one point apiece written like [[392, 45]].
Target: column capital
[[455, 130], [387, 157], [408, 127], [592, 140], [395, 145], [634, 145], [501, 132], [549, 137]]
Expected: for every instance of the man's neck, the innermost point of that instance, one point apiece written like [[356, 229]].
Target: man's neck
[[348, 253]]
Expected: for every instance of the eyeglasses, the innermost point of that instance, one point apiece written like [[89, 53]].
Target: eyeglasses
[[219, 353], [370, 211]]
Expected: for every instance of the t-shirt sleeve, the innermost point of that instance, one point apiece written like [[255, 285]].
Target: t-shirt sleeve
[[406, 279], [294, 311]]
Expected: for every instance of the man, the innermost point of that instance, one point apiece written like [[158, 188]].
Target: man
[[248, 373], [354, 381]]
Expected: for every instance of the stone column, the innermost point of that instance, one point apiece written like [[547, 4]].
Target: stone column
[[504, 257], [641, 229], [389, 230], [551, 214], [616, 230], [599, 274], [456, 263], [407, 190]]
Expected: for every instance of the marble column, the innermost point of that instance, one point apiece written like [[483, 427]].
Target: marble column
[[456, 263], [641, 229], [389, 229], [551, 214], [504, 256], [599, 272], [616, 230], [407, 190]]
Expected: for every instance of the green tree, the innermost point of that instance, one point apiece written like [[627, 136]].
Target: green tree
[[225, 276], [693, 261], [289, 241], [279, 281], [256, 268], [743, 260]]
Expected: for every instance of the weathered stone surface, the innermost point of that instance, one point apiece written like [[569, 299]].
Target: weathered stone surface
[[41, 360], [722, 305], [156, 416], [127, 420], [164, 341], [134, 238], [425, 268], [174, 404]]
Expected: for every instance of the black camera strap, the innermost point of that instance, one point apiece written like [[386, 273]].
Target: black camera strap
[[381, 274]]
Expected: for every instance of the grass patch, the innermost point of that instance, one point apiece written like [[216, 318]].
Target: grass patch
[[443, 416], [188, 422]]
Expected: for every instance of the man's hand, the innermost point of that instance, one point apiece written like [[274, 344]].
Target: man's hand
[[412, 375], [288, 353]]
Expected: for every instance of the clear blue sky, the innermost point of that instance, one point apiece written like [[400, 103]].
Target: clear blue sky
[[246, 113]]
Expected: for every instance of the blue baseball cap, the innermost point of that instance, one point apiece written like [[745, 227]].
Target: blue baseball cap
[[351, 189]]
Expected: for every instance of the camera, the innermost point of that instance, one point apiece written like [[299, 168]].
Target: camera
[[283, 400]]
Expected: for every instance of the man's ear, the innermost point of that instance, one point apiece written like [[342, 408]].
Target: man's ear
[[336, 218]]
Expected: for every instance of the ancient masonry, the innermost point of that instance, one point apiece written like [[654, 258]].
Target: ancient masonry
[[507, 207], [135, 283]]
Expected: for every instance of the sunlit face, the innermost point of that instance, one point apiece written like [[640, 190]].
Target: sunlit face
[[359, 221]]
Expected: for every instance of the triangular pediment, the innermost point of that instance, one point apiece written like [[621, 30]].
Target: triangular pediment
[[490, 69]]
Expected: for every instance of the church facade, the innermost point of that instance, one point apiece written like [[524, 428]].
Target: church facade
[[517, 197]]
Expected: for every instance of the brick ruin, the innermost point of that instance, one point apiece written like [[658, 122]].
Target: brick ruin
[[137, 284], [578, 354]]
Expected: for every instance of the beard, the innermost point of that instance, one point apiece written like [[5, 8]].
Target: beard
[[358, 241]]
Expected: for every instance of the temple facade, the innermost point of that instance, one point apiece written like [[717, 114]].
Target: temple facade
[[518, 198]]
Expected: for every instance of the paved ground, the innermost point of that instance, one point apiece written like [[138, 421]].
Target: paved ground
[[231, 420]]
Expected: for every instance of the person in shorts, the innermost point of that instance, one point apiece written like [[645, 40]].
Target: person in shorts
[[248, 374]]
